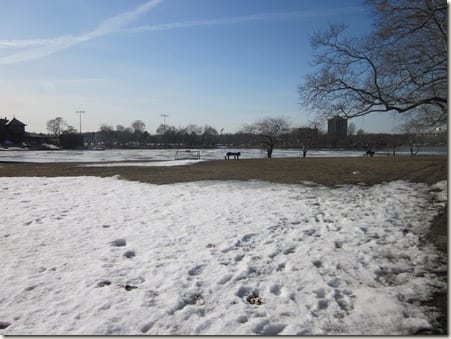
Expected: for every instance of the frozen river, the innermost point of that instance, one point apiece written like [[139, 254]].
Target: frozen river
[[169, 154]]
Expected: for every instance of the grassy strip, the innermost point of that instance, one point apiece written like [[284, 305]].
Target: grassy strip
[[325, 171]]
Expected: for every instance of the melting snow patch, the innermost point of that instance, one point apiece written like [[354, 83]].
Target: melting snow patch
[[215, 258], [146, 163]]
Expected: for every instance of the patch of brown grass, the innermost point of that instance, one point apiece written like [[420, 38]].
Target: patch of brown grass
[[325, 171]]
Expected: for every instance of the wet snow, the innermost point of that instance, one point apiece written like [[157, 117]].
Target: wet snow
[[104, 256], [146, 164]]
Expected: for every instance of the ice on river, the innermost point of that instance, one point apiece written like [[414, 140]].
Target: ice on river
[[145, 155], [105, 256]]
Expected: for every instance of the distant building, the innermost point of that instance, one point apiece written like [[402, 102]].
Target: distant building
[[12, 130], [337, 126], [306, 135], [308, 132]]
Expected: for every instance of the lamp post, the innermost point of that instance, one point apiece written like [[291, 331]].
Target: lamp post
[[164, 127], [80, 112], [81, 136]]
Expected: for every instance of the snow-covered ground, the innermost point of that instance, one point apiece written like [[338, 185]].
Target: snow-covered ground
[[105, 256]]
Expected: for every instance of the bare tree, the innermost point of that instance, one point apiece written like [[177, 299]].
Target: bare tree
[[168, 129], [139, 126], [70, 130], [210, 130], [412, 129], [209, 136], [271, 129], [56, 126], [192, 129], [401, 66]]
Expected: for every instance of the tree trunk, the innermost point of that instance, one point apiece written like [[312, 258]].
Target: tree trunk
[[269, 150]]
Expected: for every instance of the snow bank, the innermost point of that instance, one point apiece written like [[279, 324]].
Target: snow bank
[[104, 256], [147, 163]]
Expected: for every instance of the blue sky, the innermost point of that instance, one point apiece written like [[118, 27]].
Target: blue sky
[[225, 63]]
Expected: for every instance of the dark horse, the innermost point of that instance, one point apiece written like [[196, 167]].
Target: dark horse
[[235, 155]]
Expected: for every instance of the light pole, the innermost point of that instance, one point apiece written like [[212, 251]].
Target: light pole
[[80, 112], [164, 126], [81, 136]]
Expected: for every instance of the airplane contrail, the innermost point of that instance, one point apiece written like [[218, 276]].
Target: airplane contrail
[[246, 18], [38, 48]]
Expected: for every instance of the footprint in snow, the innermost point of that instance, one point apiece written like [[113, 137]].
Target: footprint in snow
[[317, 263], [129, 254], [320, 293], [242, 319], [196, 270], [4, 324], [323, 304], [104, 283], [309, 232], [344, 300], [290, 250], [118, 242], [147, 327], [275, 289], [265, 328], [335, 282], [225, 279], [248, 237], [338, 244], [281, 267], [193, 299], [150, 298]]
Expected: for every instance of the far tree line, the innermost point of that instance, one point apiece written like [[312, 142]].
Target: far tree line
[[267, 133]]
